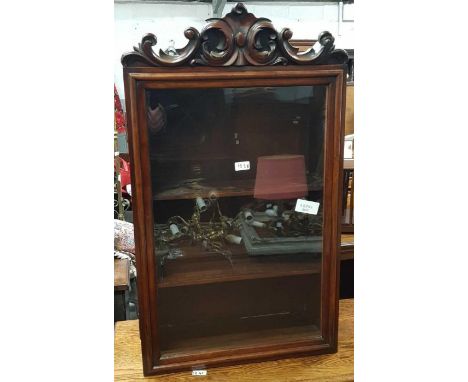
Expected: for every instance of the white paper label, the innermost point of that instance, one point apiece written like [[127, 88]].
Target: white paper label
[[307, 206], [242, 166], [199, 372]]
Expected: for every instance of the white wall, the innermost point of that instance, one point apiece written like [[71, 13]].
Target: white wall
[[306, 20], [168, 22]]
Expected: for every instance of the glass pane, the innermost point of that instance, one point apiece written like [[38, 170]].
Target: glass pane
[[237, 186]]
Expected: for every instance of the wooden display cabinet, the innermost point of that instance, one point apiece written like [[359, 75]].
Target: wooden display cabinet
[[236, 146]]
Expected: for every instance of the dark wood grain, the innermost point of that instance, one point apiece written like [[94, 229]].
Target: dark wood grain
[[332, 367], [143, 280]]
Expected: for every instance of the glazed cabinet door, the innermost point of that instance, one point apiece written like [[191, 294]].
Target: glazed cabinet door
[[237, 206]]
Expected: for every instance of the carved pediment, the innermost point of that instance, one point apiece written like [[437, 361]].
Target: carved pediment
[[237, 39]]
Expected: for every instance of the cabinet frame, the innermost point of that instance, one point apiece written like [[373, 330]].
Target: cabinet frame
[[137, 80]]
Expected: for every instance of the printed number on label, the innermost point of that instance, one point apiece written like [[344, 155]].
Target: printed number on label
[[242, 166], [307, 206], [199, 372]]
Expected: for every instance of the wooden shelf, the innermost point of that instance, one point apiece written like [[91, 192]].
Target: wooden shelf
[[201, 268], [182, 348], [198, 267], [243, 187], [240, 187]]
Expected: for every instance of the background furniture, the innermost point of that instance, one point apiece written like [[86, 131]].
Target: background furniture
[[349, 114], [347, 212], [347, 246], [347, 266], [347, 229], [121, 289], [333, 367]]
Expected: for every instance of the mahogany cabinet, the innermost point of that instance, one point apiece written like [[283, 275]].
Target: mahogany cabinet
[[236, 146]]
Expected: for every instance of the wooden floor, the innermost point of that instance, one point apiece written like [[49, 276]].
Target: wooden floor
[[334, 367]]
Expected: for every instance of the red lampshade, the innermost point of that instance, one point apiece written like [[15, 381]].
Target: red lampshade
[[280, 177]]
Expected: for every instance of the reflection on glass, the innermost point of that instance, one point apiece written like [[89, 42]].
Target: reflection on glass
[[237, 186]]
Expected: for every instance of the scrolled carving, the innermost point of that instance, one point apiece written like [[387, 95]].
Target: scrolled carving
[[238, 39], [322, 52], [218, 44], [144, 52], [262, 43]]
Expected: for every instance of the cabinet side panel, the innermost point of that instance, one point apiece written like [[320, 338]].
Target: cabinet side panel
[[138, 219]]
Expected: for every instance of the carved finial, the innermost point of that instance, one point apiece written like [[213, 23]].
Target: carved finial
[[237, 39]]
